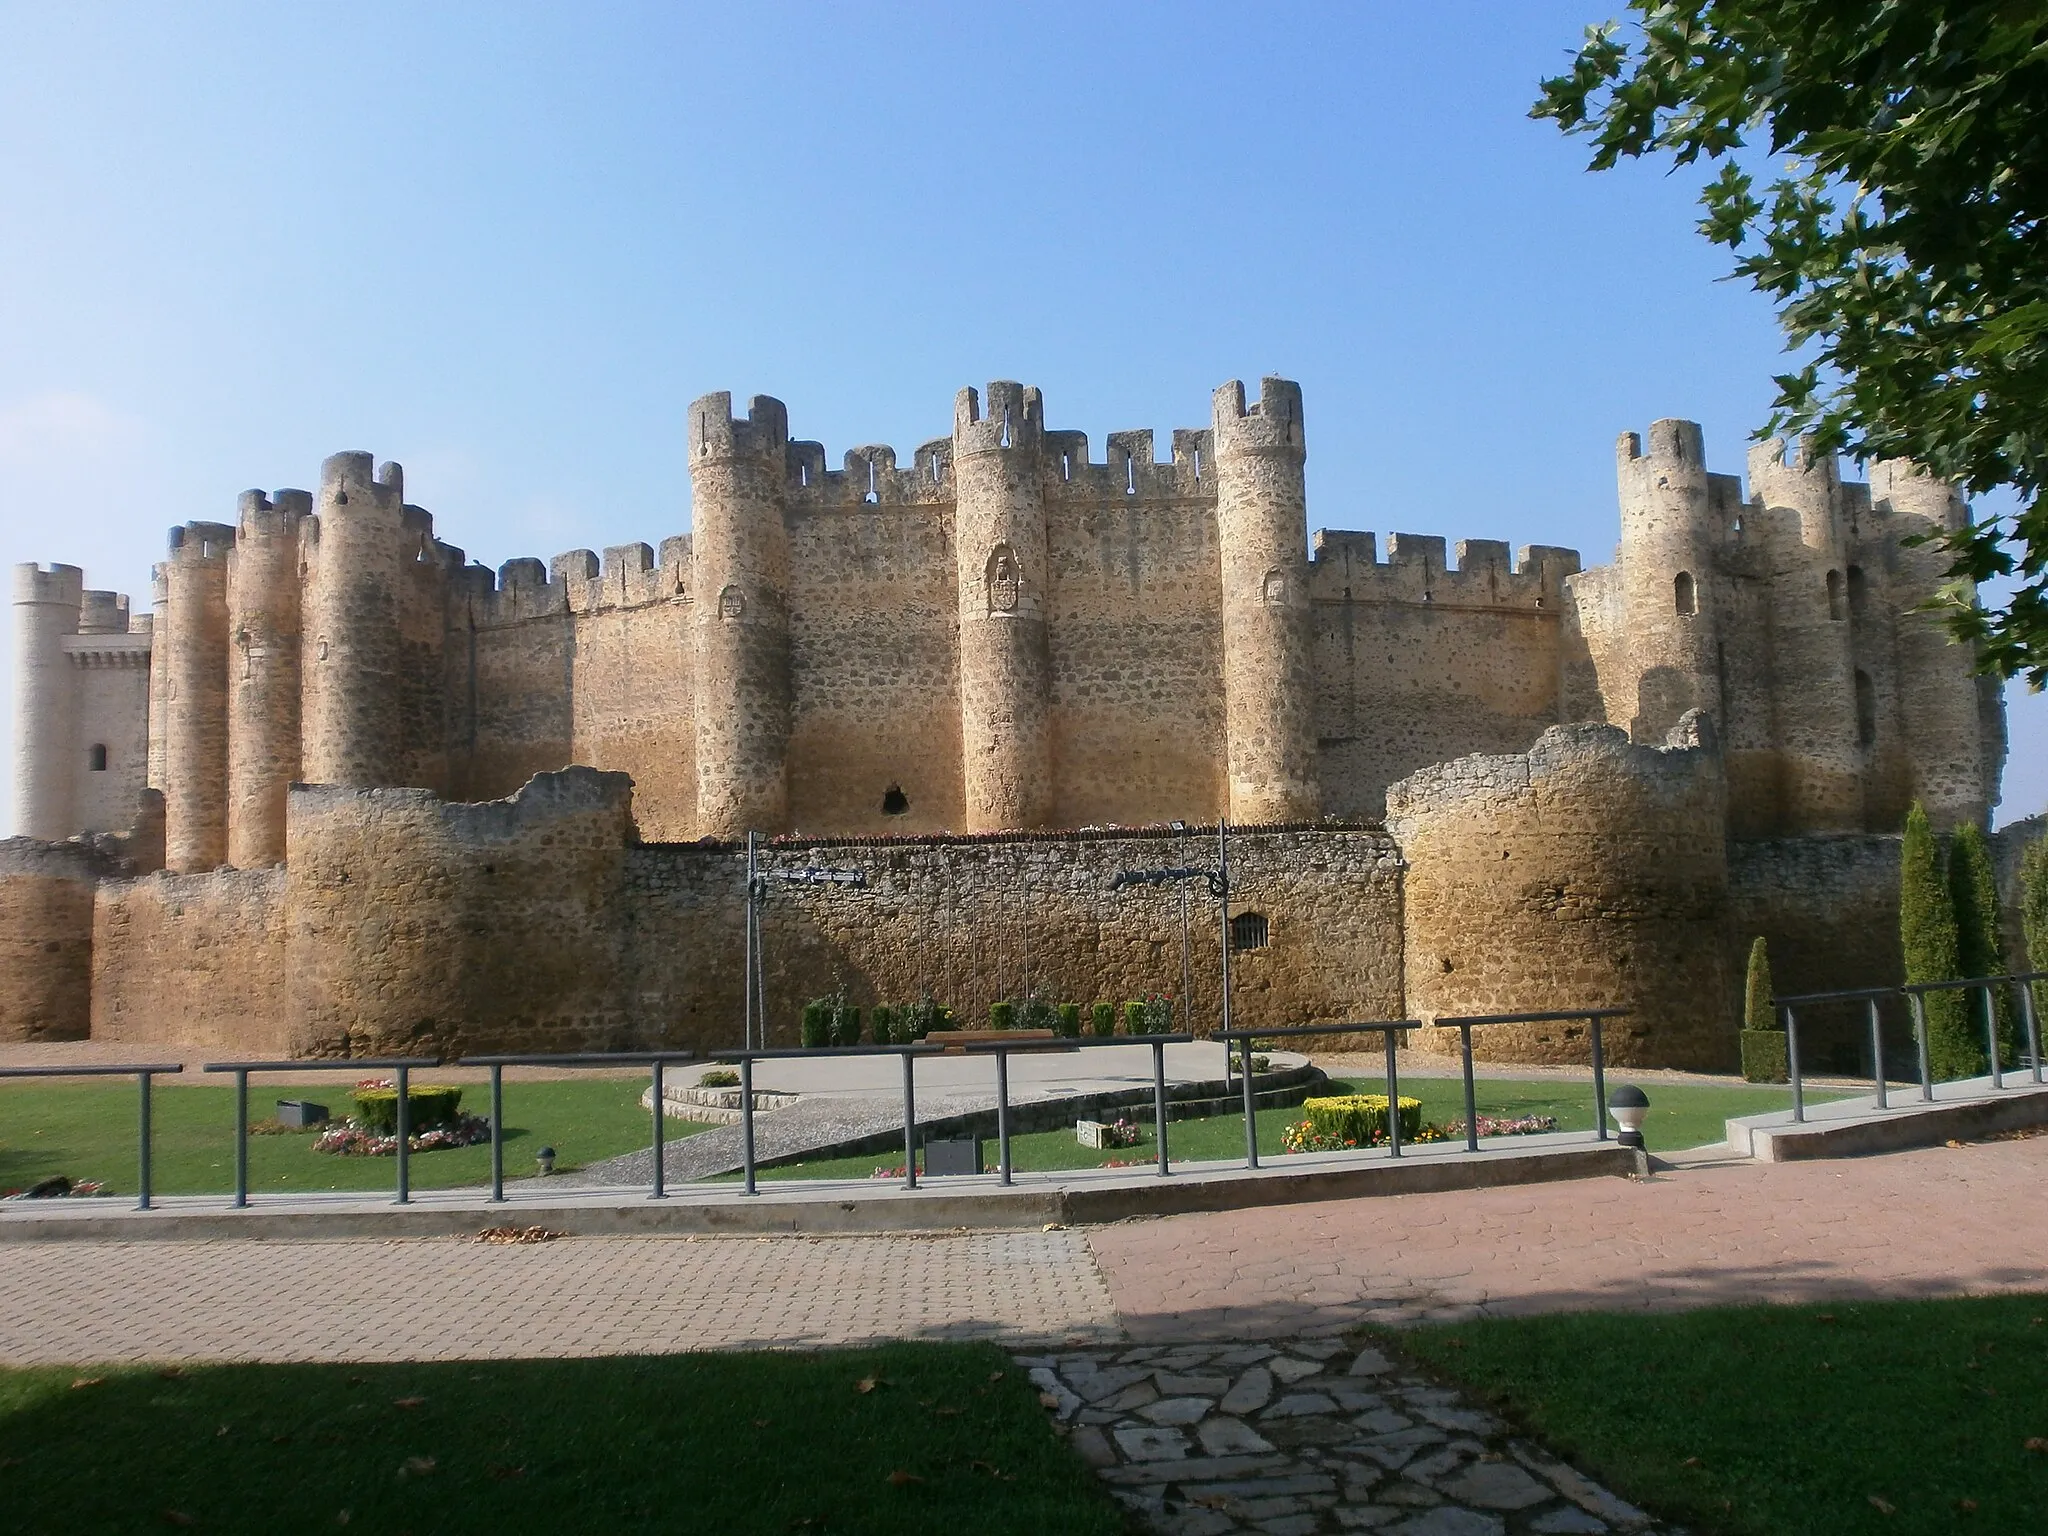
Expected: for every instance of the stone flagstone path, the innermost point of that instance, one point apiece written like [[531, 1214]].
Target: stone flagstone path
[[1306, 1437]]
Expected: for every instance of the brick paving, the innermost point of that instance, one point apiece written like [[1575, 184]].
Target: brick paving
[[1943, 1221], [442, 1299]]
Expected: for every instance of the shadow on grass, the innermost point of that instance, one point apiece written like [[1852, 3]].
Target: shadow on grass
[[947, 1438]]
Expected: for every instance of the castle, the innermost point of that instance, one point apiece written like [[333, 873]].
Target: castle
[[992, 668]]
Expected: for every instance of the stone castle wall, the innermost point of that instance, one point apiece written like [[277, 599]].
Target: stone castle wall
[[46, 896], [1589, 872], [193, 960]]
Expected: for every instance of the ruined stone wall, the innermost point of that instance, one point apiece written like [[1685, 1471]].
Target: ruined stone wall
[[193, 961], [1417, 663], [419, 927], [46, 892], [1829, 909], [977, 919], [1588, 872]]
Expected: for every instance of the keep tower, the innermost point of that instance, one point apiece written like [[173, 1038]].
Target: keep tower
[[46, 609], [196, 706], [1001, 573], [1673, 593], [739, 563], [1268, 652], [264, 623], [1796, 504]]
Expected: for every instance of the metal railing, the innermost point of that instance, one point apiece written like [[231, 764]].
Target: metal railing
[[1593, 1017], [656, 1061], [402, 1065], [143, 1073], [1386, 1030], [1003, 1049], [1915, 994]]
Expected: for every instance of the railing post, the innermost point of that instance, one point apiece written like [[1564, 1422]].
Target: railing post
[[1393, 1097], [1159, 1103], [1599, 1082], [1792, 1066], [497, 1134], [1991, 1034], [2033, 1023], [404, 1135], [1471, 1099], [1877, 1053], [1251, 1119], [1918, 1001], [1003, 1111], [909, 1126], [660, 1173], [747, 1120], [142, 1083], [241, 1137]]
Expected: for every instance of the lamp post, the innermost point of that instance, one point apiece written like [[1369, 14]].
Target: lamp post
[[1628, 1104], [1218, 881], [756, 980]]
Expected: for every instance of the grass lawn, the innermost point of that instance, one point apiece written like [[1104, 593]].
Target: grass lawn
[[949, 1438], [1681, 1115], [1901, 1417], [87, 1131]]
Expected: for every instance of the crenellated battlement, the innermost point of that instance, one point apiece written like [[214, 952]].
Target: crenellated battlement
[[275, 516], [869, 476], [716, 436], [103, 613], [200, 543], [60, 585], [346, 478], [1345, 567], [1271, 425], [1015, 419]]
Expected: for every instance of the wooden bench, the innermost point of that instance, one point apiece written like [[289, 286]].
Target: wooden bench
[[956, 1041]]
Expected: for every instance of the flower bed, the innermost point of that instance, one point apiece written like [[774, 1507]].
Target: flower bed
[[1367, 1126], [350, 1138]]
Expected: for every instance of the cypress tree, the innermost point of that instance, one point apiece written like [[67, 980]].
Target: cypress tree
[[2034, 914], [1928, 937], [1756, 991], [1980, 941]]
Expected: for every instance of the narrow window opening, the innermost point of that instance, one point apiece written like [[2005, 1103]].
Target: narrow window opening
[[1835, 595], [96, 757], [871, 498], [1006, 429], [894, 801], [803, 474], [1198, 464], [1685, 595], [1130, 475], [1066, 466], [1866, 709], [1859, 592], [1248, 931]]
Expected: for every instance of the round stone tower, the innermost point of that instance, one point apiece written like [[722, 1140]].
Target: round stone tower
[[196, 705], [159, 672], [1588, 872], [1673, 596], [1796, 501], [1268, 650], [46, 607], [263, 673], [1952, 736], [739, 563], [353, 676], [999, 545]]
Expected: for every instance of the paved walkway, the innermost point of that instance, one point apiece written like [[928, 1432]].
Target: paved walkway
[[1943, 1221], [442, 1299]]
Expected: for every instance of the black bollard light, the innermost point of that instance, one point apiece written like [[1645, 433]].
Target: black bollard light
[[1628, 1104]]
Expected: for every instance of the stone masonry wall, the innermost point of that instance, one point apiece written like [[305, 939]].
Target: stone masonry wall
[[1587, 872], [46, 939], [193, 960], [977, 919], [419, 927]]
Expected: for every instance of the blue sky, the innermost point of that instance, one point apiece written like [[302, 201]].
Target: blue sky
[[506, 244]]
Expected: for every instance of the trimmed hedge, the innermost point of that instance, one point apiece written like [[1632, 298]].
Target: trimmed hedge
[[1002, 1015], [428, 1104], [1067, 1021], [1134, 1018], [845, 1023], [1360, 1117], [817, 1025], [882, 1019], [1102, 1019], [1764, 1058]]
